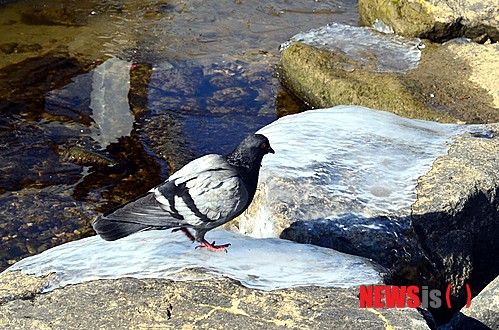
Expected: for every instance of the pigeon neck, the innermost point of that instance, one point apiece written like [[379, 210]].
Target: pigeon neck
[[246, 165]]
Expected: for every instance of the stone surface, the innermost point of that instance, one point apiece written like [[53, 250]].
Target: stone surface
[[481, 61], [360, 184], [457, 211], [454, 82], [483, 312], [434, 19], [216, 304]]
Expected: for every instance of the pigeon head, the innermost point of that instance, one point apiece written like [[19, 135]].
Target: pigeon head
[[250, 152]]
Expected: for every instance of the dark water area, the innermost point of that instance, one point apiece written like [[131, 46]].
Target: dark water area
[[102, 100]]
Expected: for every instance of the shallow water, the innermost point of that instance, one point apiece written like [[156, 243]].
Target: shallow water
[[184, 78]]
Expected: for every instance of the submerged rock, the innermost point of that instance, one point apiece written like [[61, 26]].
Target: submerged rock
[[85, 157], [53, 16], [340, 64]]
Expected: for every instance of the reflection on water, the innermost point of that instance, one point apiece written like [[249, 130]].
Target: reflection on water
[[100, 100], [109, 102]]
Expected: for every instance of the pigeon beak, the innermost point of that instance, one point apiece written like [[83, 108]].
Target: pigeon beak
[[270, 150]]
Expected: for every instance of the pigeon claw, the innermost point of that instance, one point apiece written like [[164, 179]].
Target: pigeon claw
[[213, 247]]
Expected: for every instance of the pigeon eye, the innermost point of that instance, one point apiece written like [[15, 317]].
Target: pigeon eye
[[263, 145]]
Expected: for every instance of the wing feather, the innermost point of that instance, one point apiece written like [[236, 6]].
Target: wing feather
[[204, 194]]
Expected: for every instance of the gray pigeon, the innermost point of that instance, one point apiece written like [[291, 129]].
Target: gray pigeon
[[204, 194]]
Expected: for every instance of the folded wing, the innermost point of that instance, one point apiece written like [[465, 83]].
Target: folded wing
[[204, 194]]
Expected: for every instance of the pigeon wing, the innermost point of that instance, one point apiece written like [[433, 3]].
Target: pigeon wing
[[204, 194], [141, 214]]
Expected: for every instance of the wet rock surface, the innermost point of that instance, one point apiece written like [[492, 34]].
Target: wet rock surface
[[215, 304]]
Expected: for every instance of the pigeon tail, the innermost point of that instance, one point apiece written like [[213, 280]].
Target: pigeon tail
[[113, 230]]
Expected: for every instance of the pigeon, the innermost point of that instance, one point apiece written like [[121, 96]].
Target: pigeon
[[204, 194]]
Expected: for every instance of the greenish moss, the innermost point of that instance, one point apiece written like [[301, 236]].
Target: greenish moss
[[318, 78], [407, 18], [437, 90]]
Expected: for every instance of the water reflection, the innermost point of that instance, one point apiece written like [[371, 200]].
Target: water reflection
[[101, 100], [109, 102]]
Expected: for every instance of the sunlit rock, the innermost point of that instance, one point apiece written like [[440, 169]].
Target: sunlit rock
[[436, 20], [339, 64], [357, 180], [150, 303]]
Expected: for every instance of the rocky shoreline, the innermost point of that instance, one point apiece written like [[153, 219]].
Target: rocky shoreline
[[452, 236], [451, 83]]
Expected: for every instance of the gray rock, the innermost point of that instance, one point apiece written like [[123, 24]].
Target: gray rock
[[436, 20], [216, 304], [364, 180], [457, 209], [483, 312]]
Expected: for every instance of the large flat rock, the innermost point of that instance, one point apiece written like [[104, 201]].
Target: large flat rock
[[129, 303]]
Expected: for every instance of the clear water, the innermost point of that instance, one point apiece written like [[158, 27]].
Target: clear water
[[148, 84]]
